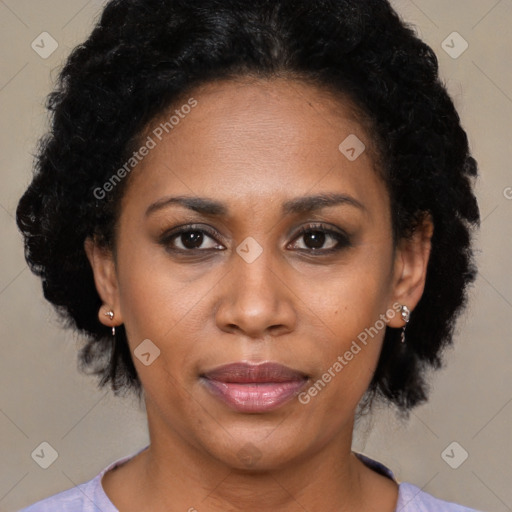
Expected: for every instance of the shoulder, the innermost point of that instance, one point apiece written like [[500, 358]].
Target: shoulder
[[86, 497], [412, 499], [82, 498]]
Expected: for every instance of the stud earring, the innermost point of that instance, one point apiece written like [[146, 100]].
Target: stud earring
[[110, 314], [405, 312]]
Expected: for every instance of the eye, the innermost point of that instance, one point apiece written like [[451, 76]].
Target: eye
[[190, 238], [316, 237], [313, 238]]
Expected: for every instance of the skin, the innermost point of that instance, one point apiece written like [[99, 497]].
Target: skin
[[252, 145]]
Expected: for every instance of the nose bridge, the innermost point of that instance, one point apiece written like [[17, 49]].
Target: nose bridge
[[255, 269], [254, 259], [255, 298]]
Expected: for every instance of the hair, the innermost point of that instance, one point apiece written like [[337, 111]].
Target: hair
[[144, 55]]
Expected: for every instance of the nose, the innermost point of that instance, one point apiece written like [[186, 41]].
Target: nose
[[256, 299]]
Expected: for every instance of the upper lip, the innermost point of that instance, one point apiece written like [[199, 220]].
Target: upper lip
[[244, 372]]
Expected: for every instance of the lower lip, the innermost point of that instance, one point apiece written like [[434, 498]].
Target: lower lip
[[254, 397]]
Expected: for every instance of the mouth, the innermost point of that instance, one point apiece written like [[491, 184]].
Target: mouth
[[254, 388]]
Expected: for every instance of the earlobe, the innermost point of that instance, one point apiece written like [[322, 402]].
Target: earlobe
[[106, 311], [411, 264], [105, 278]]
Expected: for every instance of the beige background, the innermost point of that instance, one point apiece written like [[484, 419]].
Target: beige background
[[43, 398]]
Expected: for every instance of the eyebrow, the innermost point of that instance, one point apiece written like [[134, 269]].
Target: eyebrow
[[308, 204], [198, 204], [305, 204]]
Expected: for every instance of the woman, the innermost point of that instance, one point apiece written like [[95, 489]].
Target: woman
[[260, 216]]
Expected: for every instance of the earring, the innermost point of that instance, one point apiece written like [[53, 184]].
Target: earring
[[406, 315], [110, 314]]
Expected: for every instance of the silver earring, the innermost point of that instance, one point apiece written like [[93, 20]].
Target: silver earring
[[405, 312], [110, 314]]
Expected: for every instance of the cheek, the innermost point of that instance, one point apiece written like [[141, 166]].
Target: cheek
[[163, 303], [350, 302], [352, 295], [154, 293]]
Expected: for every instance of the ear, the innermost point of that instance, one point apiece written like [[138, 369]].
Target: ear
[[410, 268], [105, 278]]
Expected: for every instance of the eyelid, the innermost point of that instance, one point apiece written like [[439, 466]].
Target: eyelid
[[320, 226]]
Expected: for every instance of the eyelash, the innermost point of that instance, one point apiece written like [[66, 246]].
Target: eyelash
[[342, 239]]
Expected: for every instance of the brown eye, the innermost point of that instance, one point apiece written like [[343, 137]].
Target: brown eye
[[320, 239], [315, 239], [190, 239]]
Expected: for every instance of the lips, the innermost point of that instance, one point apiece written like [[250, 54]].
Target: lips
[[254, 388], [249, 372]]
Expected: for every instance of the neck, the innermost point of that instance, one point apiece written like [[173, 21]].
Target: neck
[[184, 478]]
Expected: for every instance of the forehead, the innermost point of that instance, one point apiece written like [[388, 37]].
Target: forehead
[[257, 140], [271, 111]]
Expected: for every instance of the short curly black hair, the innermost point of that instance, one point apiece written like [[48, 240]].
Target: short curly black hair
[[145, 54]]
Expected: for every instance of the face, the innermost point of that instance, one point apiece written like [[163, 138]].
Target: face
[[287, 258]]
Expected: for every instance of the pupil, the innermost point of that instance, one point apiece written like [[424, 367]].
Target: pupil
[[316, 238], [192, 239]]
